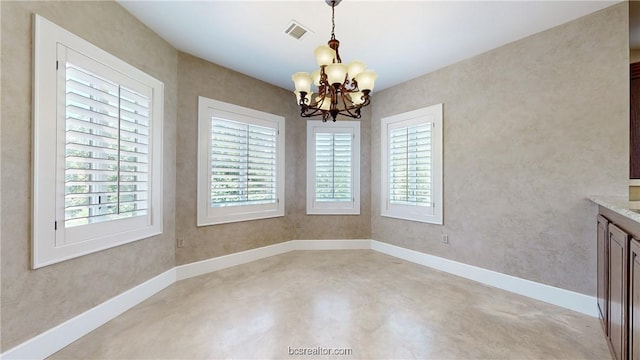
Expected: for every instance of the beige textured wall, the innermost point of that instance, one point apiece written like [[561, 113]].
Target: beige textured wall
[[197, 77], [530, 130], [36, 300]]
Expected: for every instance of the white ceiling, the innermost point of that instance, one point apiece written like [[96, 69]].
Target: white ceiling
[[400, 40]]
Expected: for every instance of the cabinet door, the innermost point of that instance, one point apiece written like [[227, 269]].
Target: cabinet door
[[634, 300], [603, 271], [618, 286]]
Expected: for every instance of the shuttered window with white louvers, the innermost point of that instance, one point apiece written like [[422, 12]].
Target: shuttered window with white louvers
[[241, 158], [97, 148], [410, 177], [243, 163], [412, 165], [106, 149], [333, 168]]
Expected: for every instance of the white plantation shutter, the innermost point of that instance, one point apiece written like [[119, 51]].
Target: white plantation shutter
[[97, 149], [106, 150], [410, 177], [411, 169], [134, 153], [333, 166], [241, 155], [243, 163]]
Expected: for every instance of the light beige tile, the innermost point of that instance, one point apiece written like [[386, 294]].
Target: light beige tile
[[375, 305]]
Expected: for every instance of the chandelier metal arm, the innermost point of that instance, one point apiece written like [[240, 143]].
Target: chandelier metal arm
[[355, 108], [326, 113]]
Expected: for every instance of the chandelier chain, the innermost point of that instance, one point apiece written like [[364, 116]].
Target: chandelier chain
[[333, 20]]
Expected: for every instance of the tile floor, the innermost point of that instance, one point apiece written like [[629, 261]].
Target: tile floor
[[371, 304]]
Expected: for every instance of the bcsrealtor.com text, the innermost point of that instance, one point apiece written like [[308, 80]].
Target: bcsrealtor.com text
[[319, 350]]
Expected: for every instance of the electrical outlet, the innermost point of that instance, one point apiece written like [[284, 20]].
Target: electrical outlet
[[180, 243], [445, 239]]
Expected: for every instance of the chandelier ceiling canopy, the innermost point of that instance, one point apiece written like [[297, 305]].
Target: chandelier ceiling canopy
[[340, 89]]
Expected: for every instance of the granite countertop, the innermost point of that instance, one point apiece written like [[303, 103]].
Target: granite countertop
[[619, 204]]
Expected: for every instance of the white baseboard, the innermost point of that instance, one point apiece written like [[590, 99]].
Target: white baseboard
[[553, 295], [332, 244], [56, 338], [222, 262]]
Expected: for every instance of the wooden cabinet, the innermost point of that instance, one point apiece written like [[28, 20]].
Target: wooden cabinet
[[618, 244], [634, 300], [618, 291], [603, 272]]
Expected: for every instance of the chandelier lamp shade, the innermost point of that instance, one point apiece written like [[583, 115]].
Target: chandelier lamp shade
[[335, 88]]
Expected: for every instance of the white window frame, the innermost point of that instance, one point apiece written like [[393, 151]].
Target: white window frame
[[208, 215], [52, 241], [333, 207], [434, 213]]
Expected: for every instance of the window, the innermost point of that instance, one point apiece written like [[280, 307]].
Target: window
[[333, 167], [240, 163], [412, 165], [97, 149]]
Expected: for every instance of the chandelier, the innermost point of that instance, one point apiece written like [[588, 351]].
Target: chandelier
[[341, 89]]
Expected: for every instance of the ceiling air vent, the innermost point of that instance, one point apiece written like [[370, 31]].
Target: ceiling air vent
[[296, 31]]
